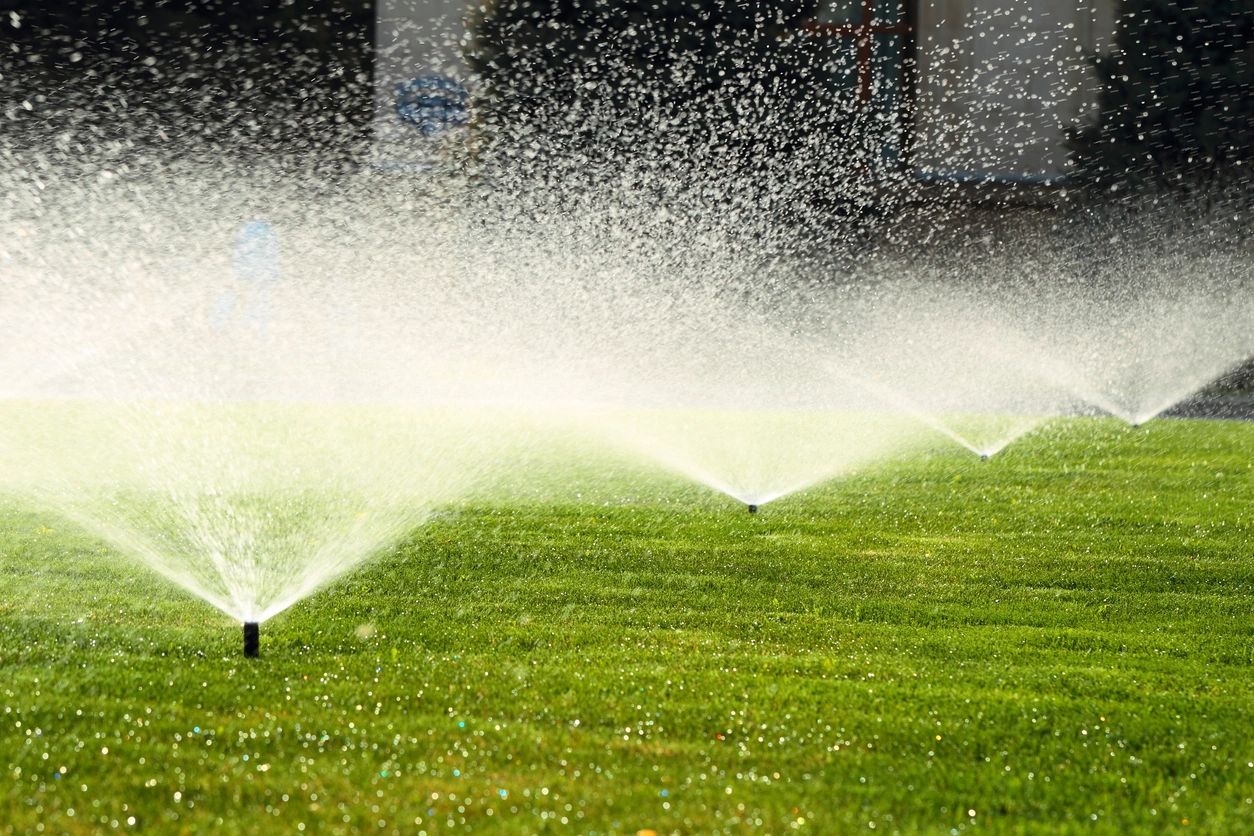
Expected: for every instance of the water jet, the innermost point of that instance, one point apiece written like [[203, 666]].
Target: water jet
[[252, 639]]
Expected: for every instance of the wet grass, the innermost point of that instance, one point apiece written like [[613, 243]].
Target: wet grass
[[1060, 639]]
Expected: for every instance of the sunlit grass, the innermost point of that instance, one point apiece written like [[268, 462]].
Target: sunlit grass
[[1055, 639]]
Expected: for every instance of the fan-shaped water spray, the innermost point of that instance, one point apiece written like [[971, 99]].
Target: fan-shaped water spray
[[252, 378], [1149, 320], [217, 429], [266, 404]]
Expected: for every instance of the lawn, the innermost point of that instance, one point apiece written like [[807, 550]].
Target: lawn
[[1060, 639]]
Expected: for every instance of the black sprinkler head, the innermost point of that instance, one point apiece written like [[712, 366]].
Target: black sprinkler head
[[983, 457], [753, 509], [252, 639]]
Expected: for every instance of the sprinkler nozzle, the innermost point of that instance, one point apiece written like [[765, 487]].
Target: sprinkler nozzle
[[753, 509], [252, 639], [983, 457]]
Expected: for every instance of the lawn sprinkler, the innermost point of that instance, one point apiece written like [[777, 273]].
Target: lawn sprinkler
[[983, 457], [753, 509], [252, 639]]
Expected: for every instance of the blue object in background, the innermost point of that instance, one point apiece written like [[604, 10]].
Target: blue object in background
[[257, 271], [257, 253], [433, 103]]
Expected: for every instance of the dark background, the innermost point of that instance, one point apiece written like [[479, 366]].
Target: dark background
[[264, 74], [254, 74]]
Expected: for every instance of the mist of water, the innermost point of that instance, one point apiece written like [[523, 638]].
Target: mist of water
[[252, 386], [253, 373]]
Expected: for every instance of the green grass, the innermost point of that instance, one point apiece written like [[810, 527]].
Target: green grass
[[1058, 640]]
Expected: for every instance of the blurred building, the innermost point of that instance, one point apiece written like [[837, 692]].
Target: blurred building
[[999, 81], [973, 90]]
